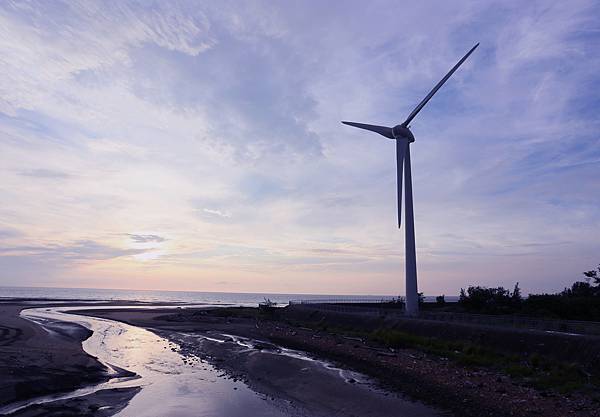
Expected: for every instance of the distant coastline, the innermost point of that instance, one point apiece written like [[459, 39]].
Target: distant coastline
[[199, 297]]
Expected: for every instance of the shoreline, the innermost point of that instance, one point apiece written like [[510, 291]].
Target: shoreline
[[38, 362], [438, 381], [35, 358], [274, 378], [299, 384]]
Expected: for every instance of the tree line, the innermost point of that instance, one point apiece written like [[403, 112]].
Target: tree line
[[581, 301]]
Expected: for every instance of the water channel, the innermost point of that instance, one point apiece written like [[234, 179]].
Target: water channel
[[176, 385]]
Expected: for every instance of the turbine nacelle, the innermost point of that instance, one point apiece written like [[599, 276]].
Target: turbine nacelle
[[403, 137], [402, 132]]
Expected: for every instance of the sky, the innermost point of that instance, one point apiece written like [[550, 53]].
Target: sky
[[192, 145]]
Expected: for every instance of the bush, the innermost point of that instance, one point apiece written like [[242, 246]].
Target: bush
[[489, 300], [579, 302], [563, 306]]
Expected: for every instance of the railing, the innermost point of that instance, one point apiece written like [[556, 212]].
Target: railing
[[369, 300], [388, 307], [354, 305], [562, 326]]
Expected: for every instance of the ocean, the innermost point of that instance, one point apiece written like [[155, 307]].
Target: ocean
[[193, 297]]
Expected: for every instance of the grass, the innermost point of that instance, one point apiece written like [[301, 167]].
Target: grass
[[534, 370], [537, 371]]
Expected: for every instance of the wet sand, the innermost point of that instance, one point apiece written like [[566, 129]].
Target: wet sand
[[464, 391], [34, 361], [289, 383], [254, 351], [318, 388], [38, 361], [103, 403]]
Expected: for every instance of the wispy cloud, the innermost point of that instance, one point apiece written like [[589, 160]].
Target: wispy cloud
[[77, 251], [146, 238], [217, 125], [9, 232], [218, 213], [45, 173]]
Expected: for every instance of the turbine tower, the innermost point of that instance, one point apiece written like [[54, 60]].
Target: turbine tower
[[403, 136]]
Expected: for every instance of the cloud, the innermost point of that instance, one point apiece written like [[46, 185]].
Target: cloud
[[9, 232], [82, 250], [45, 173], [218, 125], [219, 213], [92, 37], [146, 238]]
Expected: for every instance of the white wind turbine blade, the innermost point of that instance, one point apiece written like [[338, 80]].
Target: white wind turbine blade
[[401, 147], [437, 87], [382, 130]]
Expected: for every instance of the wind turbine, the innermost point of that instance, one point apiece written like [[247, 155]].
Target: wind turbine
[[403, 136]]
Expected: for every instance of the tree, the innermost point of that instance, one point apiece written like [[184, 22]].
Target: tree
[[579, 289], [593, 275], [516, 295], [580, 301], [483, 299]]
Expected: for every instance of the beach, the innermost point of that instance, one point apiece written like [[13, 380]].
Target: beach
[[264, 361], [223, 377], [38, 361], [299, 209], [455, 389]]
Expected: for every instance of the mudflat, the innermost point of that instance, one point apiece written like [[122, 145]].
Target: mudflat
[[36, 362], [103, 403], [299, 384], [251, 347], [461, 390]]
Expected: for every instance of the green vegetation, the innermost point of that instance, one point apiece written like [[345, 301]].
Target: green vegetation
[[535, 370], [580, 302], [538, 371], [490, 300]]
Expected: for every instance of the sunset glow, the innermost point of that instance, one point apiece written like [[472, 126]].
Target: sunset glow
[[199, 147]]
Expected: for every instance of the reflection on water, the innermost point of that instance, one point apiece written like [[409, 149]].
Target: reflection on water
[[177, 384], [172, 385]]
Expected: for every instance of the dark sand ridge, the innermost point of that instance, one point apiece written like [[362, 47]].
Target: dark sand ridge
[[103, 403], [35, 362], [32, 361], [464, 391]]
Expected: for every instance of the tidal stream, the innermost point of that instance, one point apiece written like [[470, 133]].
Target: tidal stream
[[173, 384]]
